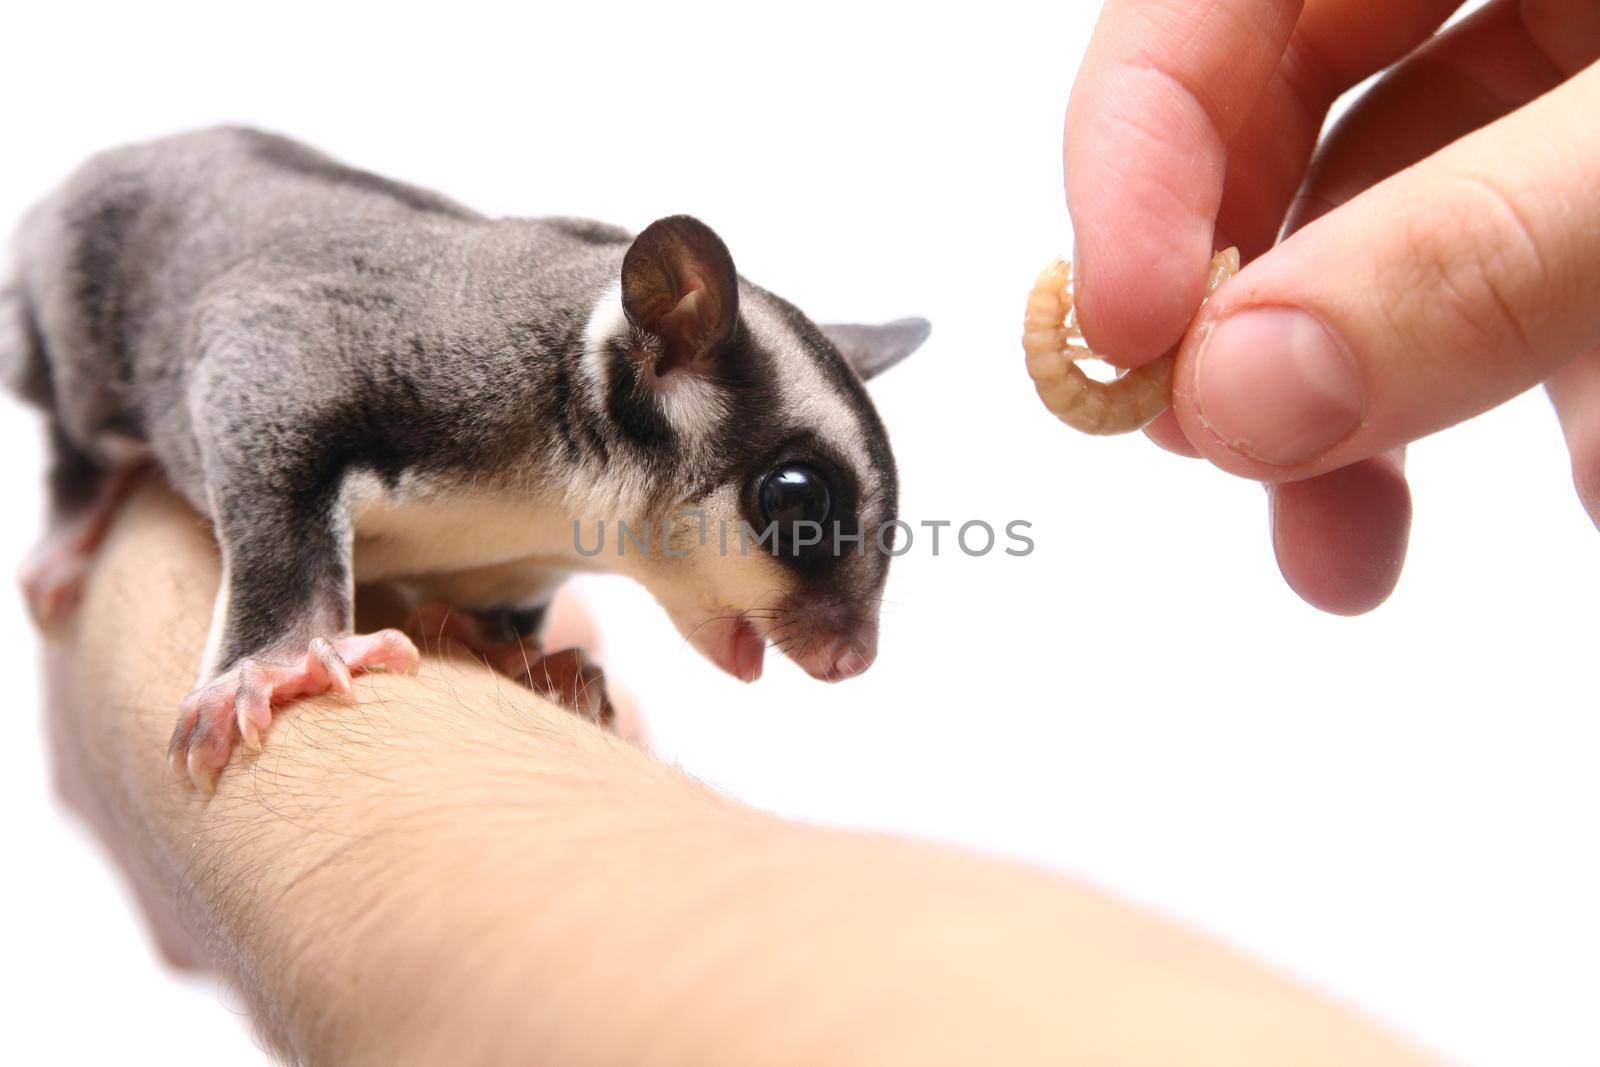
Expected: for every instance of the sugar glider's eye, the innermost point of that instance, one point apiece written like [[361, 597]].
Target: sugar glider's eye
[[794, 493]]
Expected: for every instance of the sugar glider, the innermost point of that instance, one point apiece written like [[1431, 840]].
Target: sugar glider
[[358, 380]]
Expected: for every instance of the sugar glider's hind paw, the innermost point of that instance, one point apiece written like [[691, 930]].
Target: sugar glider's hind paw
[[239, 703], [52, 579], [53, 575]]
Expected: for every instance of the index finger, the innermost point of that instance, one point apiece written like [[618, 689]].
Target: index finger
[[1163, 87]]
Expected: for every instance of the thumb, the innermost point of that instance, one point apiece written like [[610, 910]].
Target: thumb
[[1429, 298]]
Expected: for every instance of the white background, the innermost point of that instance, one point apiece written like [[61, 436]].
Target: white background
[[1400, 808]]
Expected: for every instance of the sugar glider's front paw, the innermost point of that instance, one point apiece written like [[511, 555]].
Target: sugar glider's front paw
[[571, 679], [239, 703], [568, 678]]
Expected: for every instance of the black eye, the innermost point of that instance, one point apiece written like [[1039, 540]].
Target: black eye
[[794, 493]]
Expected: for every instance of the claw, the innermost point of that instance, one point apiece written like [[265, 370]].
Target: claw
[[252, 707], [238, 705], [199, 777], [333, 666]]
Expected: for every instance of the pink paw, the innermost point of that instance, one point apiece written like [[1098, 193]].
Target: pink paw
[[52, 580], [53, 575], [568, 678], [239, 703]]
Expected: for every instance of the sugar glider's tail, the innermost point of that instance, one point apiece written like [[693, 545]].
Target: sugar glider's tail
[[24, 368]]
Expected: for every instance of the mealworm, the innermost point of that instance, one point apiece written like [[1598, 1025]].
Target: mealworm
[[1053, 342]]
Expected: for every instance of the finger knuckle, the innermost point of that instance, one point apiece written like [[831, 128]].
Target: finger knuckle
[[1470, 280]]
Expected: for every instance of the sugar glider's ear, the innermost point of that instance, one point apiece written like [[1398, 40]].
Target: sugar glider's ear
[[871, 350], [679, 287]]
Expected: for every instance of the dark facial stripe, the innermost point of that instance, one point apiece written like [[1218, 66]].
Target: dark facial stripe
[[827, 360], [634, 412]]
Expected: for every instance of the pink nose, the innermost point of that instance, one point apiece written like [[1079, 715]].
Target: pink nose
[[847, 661]]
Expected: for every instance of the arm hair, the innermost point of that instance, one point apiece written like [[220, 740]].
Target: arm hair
[[453, 870]]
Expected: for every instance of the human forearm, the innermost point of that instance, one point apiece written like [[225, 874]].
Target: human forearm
[[453, 869]]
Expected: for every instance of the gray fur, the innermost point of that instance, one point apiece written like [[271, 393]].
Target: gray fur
[[871, 350], [268, 323]]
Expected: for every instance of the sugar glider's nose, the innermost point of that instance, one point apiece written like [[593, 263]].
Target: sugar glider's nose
[[849, 663], [845, 657]]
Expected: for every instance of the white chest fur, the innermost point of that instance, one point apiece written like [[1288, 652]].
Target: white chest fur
[[416, 529]]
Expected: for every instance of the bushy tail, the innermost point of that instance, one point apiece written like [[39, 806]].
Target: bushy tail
[[23, 367]]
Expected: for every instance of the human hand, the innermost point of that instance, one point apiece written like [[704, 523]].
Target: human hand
[[1442, 250]]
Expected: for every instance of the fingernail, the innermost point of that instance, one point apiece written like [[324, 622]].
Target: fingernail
[[1276, 386]]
